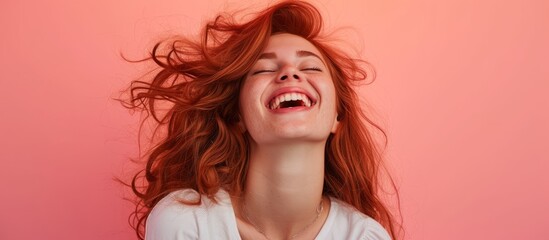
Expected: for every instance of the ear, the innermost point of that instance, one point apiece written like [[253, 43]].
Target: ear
[[241, 126], [336, 124]]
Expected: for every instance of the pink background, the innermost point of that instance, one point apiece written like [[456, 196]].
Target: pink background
[[461, 91]]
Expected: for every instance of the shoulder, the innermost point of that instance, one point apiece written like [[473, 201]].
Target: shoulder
[[171, 219], [346, 221]]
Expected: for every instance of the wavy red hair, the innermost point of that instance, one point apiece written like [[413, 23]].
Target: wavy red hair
[[203, 147]]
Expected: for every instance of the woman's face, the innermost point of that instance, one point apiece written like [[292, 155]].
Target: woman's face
[[289, 94]]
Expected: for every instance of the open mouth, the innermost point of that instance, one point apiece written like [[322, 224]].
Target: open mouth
[[290, 100]]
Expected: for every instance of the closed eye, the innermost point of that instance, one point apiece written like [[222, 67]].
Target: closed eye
[[262, 71], [312, 69]]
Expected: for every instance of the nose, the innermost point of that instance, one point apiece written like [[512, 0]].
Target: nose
[[284, 77], [289, 74]]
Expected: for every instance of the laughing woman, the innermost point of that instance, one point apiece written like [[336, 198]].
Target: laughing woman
[[264, 139]]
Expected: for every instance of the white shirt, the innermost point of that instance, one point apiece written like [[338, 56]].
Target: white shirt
[[172, 220]]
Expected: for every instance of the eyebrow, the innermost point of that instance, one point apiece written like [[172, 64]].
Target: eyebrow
[[299, 53], [303, 53]]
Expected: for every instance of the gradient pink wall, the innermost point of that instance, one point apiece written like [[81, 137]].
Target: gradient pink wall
[[461, 89]]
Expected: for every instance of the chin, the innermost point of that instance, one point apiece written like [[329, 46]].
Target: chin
[[294, 137]]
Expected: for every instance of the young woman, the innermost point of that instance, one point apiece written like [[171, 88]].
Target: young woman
[[264, 136]]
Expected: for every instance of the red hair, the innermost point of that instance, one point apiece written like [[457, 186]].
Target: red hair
[[203, 147]]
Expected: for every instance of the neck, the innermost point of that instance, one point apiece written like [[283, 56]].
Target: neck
[[284, 186]]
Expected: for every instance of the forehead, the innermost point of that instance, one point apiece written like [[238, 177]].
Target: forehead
[[289, 42]]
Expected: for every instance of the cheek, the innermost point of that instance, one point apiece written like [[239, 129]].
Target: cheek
[[250, 99], [246, 91], [254, 88], [331, 96]]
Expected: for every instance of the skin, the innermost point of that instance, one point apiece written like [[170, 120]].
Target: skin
[[286, 171]]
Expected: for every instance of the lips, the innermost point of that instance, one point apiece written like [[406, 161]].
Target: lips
[[290, 98]]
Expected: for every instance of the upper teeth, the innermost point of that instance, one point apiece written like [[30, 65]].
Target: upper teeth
[[275, 102]]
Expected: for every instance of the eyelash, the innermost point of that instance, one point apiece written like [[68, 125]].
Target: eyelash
[[262, 71], [304, 69], [313, 69]]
